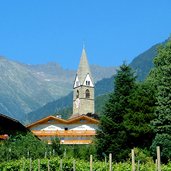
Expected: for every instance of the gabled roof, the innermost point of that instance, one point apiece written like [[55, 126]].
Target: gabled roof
[[83, 68], [81, 117], [46, 119], [63, 121]]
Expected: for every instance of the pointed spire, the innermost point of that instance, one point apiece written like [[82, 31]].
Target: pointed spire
[[83, 68]]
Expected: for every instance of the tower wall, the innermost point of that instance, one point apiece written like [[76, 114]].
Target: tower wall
[[81, 104]]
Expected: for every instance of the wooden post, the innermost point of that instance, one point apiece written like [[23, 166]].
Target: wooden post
[[45, 154], [156, 165], [74, 165], [91, 163], [53, 152], [30, 164], [48, 166], [61, 165], [138, 165], [133, 160], [38, 164], [105, 162], [158, 159], [9, 154], [23, 165], [110, 162]]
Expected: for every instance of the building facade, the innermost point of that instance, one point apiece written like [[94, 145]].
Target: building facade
[[78, 130]]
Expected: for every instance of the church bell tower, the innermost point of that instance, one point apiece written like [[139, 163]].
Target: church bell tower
[[83, 89]]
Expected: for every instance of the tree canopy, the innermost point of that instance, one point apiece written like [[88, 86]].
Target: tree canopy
[[126, 118], [161, 78], [112, 137]]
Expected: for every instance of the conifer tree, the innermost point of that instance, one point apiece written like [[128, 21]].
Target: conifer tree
[[139, 115], [112, 137], [162, 80]]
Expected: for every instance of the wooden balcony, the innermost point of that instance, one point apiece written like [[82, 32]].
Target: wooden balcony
[[63, 133], [73, 141]]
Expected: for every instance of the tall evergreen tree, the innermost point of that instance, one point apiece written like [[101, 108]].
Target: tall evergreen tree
[[162, 80], [112, 137], [139, 115]]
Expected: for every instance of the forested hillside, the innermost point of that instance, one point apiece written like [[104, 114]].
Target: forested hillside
[[143, 63]]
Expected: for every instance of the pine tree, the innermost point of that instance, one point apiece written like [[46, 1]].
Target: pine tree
[[162, 80], [139, 115], [112, 137]]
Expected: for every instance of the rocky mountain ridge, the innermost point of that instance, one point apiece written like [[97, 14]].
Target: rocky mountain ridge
[[25, 88]]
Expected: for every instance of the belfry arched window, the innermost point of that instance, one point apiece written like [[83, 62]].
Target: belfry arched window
[[87, 94], [77, 95]]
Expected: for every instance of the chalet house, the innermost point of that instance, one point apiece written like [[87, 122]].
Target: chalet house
[[78, 130]]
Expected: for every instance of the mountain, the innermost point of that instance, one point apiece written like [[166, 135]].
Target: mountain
[[21, 90], [53, 70], [51, 108], [143, 63], [25, 88]]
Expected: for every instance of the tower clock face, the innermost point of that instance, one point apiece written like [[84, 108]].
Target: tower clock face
[[77, 103]]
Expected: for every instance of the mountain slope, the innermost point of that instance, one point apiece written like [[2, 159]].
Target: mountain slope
[[20, 90], [25, 88], [143, 63]]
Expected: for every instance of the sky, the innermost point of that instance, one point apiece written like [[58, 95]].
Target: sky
[[112, 31]]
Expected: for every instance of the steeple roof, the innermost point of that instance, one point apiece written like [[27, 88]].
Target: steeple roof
[[83, 68]]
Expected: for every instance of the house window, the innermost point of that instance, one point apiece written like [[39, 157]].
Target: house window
[[87, 83], [87, 94]]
